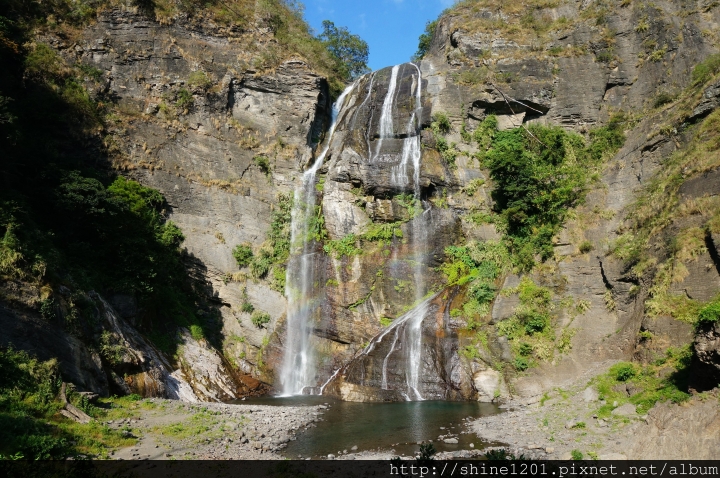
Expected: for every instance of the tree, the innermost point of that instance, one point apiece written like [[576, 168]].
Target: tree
[[424, 40], [350, 51]]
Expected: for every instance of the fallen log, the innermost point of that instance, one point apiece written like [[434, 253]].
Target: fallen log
[[71, 411]]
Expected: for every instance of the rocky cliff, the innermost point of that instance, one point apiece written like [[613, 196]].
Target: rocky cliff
[[404, 181]]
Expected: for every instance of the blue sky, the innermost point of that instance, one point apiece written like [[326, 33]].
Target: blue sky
[[390, 27]]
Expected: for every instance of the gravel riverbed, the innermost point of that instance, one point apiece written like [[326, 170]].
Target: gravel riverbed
[[168, 429]]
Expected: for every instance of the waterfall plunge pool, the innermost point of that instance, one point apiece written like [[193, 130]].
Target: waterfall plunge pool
[[384, 426]]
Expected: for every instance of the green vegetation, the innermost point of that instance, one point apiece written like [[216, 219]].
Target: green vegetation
[[263, 163], [647, 384], [425, 40], [440, 126], [706, 69], [273, 254], [243, 254], [477, 265], [539, 174], [66, 218], [585, 247], [259, 318], [343, 247], [658, 207], [184, 99], [349, 51], [710, 312], [30, 424], [530, 330], [247, 307], [576, 455], [199, 79]]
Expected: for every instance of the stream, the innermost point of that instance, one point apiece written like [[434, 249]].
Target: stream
[[385, 426]]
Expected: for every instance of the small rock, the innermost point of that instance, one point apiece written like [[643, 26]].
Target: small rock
[[590, 395], [472, 445], [549, 450], [331, 457], [452, 441], [615, 403], [569, 424], [626, 410], [354, 448]]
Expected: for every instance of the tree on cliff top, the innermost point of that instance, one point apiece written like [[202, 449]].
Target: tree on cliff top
[[350, 51]]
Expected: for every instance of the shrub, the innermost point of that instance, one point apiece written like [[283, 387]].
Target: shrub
[[706, 69], [243, 254], [663, 98], [425, 40], [196, 332], [710, 313], [441, 123], [525, 349], [521, 363], [259, 319], [199, 79], [502, 454], [343, 247], [608, 139], [263, 163], [623, 371], [184, 99], [427, 451], [260, 266], [539, 174], [576, 455], [43, 62], [585, 247], [247, 307]]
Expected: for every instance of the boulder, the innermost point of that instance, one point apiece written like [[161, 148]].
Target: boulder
[[627, 410]]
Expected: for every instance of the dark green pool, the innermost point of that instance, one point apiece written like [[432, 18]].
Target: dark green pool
[[371, 426]]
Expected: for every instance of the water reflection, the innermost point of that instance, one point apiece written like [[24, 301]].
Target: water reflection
[[380, 425]]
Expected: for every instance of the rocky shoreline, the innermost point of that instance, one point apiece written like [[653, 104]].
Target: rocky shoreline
[[562, 425], [168, 429]]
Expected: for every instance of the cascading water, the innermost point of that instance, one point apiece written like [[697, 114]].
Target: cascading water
[[298, 367], [409, 332], [386, 129]]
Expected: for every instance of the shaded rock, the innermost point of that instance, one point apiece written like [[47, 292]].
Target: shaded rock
[[707, 351], [708, 102]]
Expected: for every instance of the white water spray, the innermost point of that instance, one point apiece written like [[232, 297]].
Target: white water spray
[[298, 366]]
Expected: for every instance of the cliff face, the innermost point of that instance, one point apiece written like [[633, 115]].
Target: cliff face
[[584, 67], [227, 145]]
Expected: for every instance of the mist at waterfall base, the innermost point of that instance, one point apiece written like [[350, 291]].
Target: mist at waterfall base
[[372, 426]]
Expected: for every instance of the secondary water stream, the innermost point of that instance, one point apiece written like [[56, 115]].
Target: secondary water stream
[[384, 426]]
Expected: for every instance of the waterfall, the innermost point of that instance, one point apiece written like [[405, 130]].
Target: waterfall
[[407, 329], [298, 366], [386, 129]]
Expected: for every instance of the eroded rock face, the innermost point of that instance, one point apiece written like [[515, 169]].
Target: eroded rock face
[[202, 160], [707, 350], [675, 432], [415, 358]]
